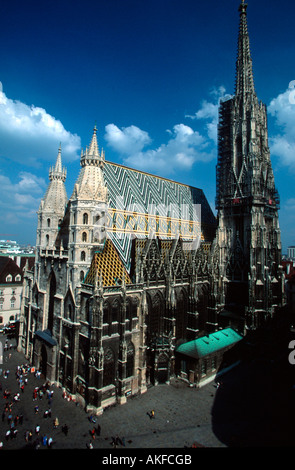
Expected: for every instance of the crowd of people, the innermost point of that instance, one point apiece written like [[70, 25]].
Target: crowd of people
[[10, 413], [39, 435]]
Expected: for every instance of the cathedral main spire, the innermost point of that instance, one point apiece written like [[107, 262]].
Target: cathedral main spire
[[244, 72]]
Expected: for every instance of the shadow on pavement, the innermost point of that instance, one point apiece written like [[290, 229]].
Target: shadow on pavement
[[254, 403]]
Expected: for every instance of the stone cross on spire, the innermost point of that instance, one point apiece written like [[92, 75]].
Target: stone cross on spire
[[244, 73]]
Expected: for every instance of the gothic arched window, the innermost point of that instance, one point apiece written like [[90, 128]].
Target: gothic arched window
[[48, 223], [84, 237], [83, 256], [130, 360], [85, 219], [108, 367], [82, 275], [52, 292], [106, 311], [115, 311]]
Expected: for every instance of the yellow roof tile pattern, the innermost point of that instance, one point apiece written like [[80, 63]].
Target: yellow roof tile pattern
[[108, 264]]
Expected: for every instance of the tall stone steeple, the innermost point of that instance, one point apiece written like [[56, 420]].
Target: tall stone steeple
[[244, 72], [87, 212], [53, 205], [248, 235]]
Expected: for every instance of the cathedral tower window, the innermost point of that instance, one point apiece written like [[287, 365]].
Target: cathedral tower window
[[82, 275], [48, 223], [84, 237], [85, 219], [109, 367], [47, 240], [83, 256], [130, 359], [52, 292]]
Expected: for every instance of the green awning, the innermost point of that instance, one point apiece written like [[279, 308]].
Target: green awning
[[209, 344]]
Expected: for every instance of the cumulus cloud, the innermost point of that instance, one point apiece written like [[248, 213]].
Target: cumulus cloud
[[184, 147], [28, 134], [208, 112], [128, 140], [20, 200], [282, 144]]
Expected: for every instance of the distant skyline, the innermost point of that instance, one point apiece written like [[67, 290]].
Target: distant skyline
[[150, 76]]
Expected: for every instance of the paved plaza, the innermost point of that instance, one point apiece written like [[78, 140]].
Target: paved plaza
[[182, 416], [253, 407]]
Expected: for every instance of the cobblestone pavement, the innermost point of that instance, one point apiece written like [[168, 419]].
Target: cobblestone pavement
[[182, 416]]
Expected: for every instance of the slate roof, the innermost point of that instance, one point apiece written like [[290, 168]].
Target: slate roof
[[8, 266]]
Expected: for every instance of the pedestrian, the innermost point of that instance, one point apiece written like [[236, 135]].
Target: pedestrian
[[98, 430], [50, 442], [151, 414], [92, 432], [44, 440], [56, 423], [37, 429], [65, 429]]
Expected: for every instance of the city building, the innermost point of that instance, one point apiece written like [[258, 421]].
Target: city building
[[291, 252], [130, 275], [11, 287]]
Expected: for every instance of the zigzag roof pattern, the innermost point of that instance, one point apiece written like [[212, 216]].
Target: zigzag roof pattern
[[140, 191]]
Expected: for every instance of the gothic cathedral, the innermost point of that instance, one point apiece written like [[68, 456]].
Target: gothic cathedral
[[133, 269]]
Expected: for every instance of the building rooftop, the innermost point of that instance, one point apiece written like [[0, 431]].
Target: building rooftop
[[209, 344]]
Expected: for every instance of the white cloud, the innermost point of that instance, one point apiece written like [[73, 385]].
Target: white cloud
[[29, 134], [282, 145], [20, 200], [128, 140], [184, 147], [209, 112]]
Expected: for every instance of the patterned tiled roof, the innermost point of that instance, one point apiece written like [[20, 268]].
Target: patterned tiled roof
[[141, 191]]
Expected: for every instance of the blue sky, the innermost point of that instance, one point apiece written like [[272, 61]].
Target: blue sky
[[150, 75]]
